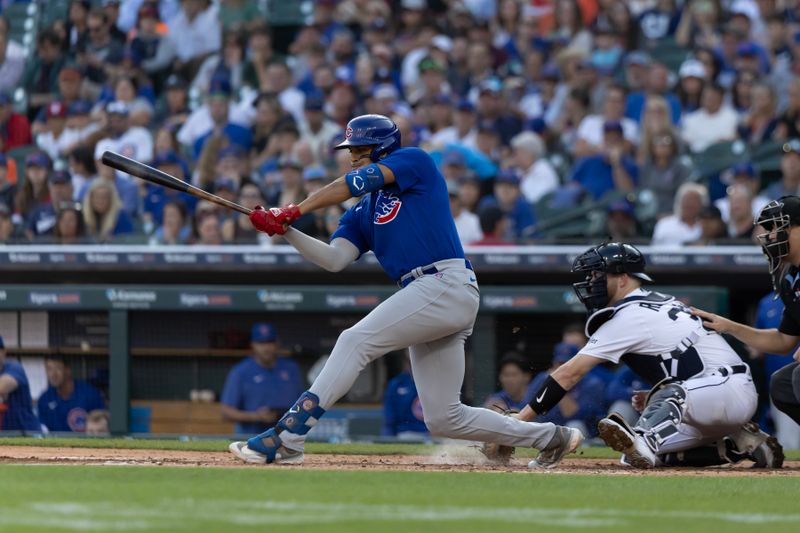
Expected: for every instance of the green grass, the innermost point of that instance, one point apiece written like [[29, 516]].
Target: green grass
[[69, 498], [204, 445]]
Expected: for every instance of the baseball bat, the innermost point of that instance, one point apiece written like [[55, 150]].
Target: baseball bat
[[153, 175]]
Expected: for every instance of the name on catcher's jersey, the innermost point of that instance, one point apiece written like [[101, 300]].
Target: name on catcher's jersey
[[658, 337], [408, 223]]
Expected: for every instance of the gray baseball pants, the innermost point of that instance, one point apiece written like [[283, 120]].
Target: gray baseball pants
[[432, 316]]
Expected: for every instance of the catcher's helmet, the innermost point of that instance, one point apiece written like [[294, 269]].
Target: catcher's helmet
[[372, 130], [608, 258], [776, 218]]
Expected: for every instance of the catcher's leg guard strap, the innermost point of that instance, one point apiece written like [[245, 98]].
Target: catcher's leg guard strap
[[303, 415], [663, 414]]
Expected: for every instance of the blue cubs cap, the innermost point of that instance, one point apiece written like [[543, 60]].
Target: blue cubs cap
[[263, 332], [219, 86], [314, 173], [37, 159], [79, 107], [314, 102], [747, 49], [507, 176], [60, 177], [743, 168], [622, 206], [564, 351], [465, 105], [232, 151], [612, 125]]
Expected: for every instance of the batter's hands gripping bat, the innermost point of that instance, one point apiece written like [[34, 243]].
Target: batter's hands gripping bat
[[153, 175]]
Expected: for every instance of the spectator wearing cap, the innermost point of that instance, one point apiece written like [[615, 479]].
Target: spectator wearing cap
[[611, 170], [663, 170], [42, 220], [219, 108], [195, 33], [684, 225], [317, 129], [432, 81], [492, 109], [607, 49], [714, 122], [34, 192], [468, 224], [8, 190], [15, 393], [136, 93], [238, 229], [69, 91], [637, 65], [621, 222], [584, 405], [261, 387], [514, 374], [52, 141], [99, 54], [591, 129], [509, 199], [693, 76], [40, 80], [134, 142], [494, 225], [463, 131], [742, 173], [657, 85], [157, 197], [130, 9], [15, 130], [12, 66], [103, 212], [538, 176], [759, 123], [789, 184]]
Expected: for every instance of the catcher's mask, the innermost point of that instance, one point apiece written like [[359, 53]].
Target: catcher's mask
[[776, 218], [596, 262]]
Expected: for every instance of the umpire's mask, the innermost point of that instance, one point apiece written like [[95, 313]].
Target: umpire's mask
[[776, 218]]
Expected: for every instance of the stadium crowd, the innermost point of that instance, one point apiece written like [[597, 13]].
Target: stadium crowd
[[551, 119]]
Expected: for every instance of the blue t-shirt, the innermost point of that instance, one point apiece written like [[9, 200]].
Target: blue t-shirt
[[402, 410], [521, 217], [624, 383], [634, 106], [250, 386], [503, 399], [237, 135], [407, 224], [157, 197], [60, 414], [596, 176], [19, 414], [768, 315]]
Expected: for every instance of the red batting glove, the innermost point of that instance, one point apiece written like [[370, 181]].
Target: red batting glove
[[263, 221], [288, 214]]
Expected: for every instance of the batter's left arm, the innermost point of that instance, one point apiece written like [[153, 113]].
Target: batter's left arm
[[354, 183]]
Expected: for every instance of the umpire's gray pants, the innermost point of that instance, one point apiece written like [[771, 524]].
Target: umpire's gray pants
[[432, 317]]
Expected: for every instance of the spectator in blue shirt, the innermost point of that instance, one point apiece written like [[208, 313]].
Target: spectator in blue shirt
[[219, 94], [157, 197], [260, 388], [402, 410], [67, 402], [610, 170], [515, 377], [581, 407], [15, 395], [509, 199]]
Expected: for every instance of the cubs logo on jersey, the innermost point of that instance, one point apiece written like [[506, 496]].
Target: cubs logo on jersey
[[386, 207]]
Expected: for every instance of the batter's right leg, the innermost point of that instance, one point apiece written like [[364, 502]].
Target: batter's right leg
[[784, 388]]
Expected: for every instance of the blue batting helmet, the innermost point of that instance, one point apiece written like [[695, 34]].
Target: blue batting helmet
[[372, 130]]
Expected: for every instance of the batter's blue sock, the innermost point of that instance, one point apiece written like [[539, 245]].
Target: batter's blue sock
[[302, 416]]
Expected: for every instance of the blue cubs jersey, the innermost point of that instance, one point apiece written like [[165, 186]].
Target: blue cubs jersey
[[408, 223], [19, 408], [402, 410], [60, 414], [250, 386], [504, 400]]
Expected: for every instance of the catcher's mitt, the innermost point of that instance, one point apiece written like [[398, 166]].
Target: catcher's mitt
[[498, 453]]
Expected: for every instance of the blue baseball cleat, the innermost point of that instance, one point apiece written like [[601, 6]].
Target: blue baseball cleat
[[264, 449]]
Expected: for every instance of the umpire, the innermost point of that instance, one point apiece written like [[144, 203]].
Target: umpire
[[780, 240]]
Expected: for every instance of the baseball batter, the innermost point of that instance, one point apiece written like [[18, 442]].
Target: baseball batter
[[403, 216], [703, 397]]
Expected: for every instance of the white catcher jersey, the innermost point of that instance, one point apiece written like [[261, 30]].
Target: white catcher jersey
[[657, 337]]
